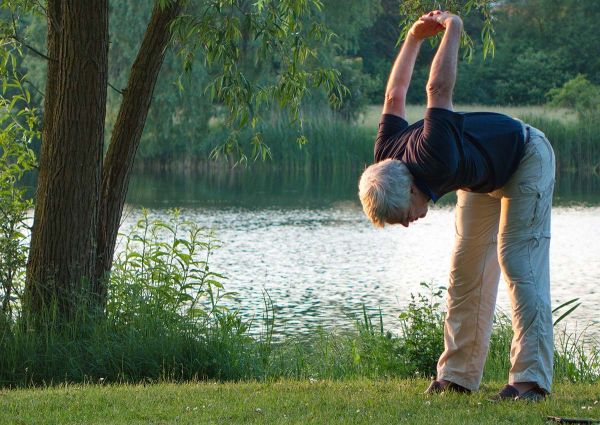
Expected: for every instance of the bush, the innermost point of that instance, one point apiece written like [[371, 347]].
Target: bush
[[18, 129], [165, 319], [422, 335], [578, 93]]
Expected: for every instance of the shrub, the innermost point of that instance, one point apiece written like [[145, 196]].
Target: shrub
[[422, 325], [578, 93]]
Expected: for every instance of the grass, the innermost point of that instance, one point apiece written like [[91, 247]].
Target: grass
[[415, 112], [338, 148], [286, 402]]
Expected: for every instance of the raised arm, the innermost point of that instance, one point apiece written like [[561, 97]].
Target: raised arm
[[397, 86], [442, 75]]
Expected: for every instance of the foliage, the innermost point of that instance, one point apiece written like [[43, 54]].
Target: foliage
[[18, 127], [411, 10], [577, 356], [280, 33], [164, 266], [422, 325], [166, 319], [578, 93], [169, 319], [180, 110], [537, 45]]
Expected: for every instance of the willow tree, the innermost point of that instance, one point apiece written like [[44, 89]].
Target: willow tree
[[80, 193]]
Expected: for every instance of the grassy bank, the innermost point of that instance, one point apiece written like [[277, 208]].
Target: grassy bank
[[286, 402], [166, 320], [338, 147], [370, 118]]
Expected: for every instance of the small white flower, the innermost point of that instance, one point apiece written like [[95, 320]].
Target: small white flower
[[258, 410]]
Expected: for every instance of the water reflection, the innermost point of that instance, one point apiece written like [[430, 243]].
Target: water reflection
[[261, 187], [302, 237]]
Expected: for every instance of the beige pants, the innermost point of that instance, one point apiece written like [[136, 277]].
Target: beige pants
[[508, 230]]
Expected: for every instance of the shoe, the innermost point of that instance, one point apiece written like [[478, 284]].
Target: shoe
[[511, 393], [437, 387], [535, 394], [507, 393]]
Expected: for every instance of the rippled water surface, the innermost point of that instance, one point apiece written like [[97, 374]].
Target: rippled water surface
[[320, 260]]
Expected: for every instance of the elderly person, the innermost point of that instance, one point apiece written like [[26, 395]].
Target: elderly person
[[503, 172]]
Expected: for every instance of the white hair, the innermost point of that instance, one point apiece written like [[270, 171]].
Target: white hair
[[384, 189]]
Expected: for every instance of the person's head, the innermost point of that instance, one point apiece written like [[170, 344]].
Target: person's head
[[389, 196]]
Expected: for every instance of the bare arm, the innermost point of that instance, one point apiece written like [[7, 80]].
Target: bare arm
[[442, 75], [397, 86]]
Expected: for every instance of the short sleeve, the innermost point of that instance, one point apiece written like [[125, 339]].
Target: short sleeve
[[390, 127], [435, 156], [441, 126]]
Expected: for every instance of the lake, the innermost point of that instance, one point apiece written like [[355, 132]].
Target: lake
[[302, 237]]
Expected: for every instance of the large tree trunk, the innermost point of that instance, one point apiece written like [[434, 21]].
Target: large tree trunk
[[63, 247], [126, 137]]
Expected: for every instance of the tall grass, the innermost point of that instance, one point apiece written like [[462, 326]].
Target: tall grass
[[338, 147], [370, 118], [166, 321], [575, 143]]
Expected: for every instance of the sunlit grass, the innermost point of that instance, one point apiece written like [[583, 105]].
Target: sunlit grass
[[287, 402], [415, 112]]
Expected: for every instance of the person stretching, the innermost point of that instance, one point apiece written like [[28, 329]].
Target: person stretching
[[503, 173]]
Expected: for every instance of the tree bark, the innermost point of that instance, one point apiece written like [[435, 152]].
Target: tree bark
[[63, 246], [126, 137]]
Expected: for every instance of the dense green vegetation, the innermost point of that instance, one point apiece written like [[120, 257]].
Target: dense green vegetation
[[539, 46], [167, 319], [341, 147]]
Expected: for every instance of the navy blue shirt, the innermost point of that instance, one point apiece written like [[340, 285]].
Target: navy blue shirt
[[446, 151]]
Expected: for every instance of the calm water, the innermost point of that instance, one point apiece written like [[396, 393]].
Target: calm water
[[303, 239]]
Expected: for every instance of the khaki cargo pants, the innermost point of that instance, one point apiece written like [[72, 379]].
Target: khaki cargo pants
[[508, 230]]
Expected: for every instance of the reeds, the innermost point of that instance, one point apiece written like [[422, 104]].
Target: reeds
[[337, 147]]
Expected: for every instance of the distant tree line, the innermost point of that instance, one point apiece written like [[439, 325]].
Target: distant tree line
[[539, 46]]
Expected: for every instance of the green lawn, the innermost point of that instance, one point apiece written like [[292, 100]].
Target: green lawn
[[286, 402]]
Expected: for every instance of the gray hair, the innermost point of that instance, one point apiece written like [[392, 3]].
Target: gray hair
[[384, 189]]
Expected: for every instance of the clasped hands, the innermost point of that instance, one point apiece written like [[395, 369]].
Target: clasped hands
[[432, 23]]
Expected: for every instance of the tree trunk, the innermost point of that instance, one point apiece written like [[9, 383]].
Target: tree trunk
[[126, 137], [63, 247]]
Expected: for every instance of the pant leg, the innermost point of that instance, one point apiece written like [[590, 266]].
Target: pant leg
[[524, 241], [473, 286]]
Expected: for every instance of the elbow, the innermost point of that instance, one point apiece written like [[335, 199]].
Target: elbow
[[395, 96], [439, 89]]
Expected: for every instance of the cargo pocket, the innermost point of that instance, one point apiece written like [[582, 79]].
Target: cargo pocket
[[539, 212]]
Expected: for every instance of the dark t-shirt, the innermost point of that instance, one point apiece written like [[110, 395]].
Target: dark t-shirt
[[446, 151]]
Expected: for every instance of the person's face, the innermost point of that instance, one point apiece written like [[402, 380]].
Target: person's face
[[416, 209]]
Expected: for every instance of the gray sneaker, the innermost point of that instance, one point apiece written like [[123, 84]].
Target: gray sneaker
[[511, 393]]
